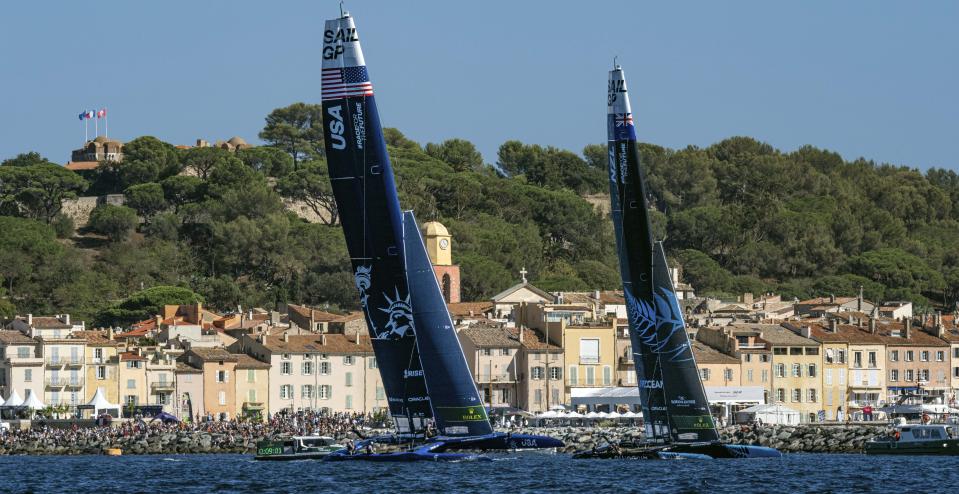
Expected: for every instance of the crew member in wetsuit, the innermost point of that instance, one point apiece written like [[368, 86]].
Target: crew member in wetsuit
[[369, 448]]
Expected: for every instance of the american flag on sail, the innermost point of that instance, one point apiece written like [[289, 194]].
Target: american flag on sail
[[344, 82]]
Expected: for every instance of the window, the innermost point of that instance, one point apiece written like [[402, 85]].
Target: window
[[749, 375], [589, 350], [955, 352], [872, 360], [163, 399], [812, 351], [349, 402], [811, 395], [286, 392], [556, 373], [349, 378], [728, 375], [797, 370], [251, 375], [98, 355], [909, 374], [747, 357], [347, 360], [828, 377], [841, 357], [924, 355], [131, 384], [306, 392], [797, 395], [131, 400], [940, 356], [857, 359], [780, 394], [955, 372], [764, 358], [24, 352], [704, 374], [285, 356], [324, 368], [222, 377], [133, 364], [101, 372], [780, 370], [607, 375], [909, 355], [307, 368], [324, 392], [795, 350], [486, 352], [504, 352], [286, 368], [572, 375], [222, 396], [251, 396], [590, 376], [371, 363], [765, 375], [842, 377], [811, 370], [538, 396], [894, 355], [538, 372], [779, 350], [28, 375], [380, 393], [924, 375]]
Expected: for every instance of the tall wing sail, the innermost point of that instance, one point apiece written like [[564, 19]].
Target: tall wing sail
[[456, 403], [634, 241], [365, 193], [688, 408]]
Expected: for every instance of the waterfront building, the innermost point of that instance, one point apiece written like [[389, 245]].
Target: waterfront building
[[102, 364], [541, 384], [625, 365], [492, 355], [188, 403], [64, 375], [319, 321], [820, 306], [745, 343], [917, 362], [51, 327], [716, 369], [335, 372], [219, 377], [252, 387], [161, 380], [944, 327], [21, 364], [132, 377], [590, 354]]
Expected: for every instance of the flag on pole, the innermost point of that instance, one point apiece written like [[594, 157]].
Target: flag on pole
[[91, 113], [83, 115], [102, 113]]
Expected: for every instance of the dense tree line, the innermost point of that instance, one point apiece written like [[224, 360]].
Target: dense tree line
[[210, 224]]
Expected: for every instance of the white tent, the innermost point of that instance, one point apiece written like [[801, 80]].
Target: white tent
[[99, 404], [32, 402], [14, 400], [769, 414]]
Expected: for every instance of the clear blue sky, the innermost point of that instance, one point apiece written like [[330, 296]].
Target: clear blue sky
[[873, 78]]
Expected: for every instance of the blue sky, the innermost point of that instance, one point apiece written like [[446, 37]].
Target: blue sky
[[865, 78]]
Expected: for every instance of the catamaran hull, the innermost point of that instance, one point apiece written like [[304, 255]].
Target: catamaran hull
[[502, 441], [704, 451]]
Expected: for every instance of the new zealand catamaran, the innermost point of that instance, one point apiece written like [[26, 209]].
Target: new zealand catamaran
[[676, 412], [425, 374]]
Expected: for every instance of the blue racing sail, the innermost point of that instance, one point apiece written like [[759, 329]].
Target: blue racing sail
[[369, 211], [457, 407], [634, 242]]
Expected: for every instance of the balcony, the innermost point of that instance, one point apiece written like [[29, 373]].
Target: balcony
[[15, 360], [63, 361], [63, 382], [588, 360], [626, 360], [495, 378], [162, 386]]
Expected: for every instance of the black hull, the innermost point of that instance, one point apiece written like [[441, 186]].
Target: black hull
[[699, 451], [939, 447]]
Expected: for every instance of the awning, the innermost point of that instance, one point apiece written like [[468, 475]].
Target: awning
[[252, 406], [612, 395]]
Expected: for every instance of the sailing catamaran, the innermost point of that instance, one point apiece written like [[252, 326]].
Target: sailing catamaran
[[425, 374], [675, 408]]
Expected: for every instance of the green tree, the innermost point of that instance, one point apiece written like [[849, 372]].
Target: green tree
[[115, 222], [157, 159], [459, 153], [202, 161], [25, 159], [311, 185], [147, 199], [296, 129], [145, 304], [182, 189], [37, 191], [271, 162]]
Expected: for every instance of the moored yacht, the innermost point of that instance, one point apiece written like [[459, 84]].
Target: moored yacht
[[916, 439]]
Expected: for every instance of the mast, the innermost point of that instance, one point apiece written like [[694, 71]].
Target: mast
[[634, 242], [365, 193]]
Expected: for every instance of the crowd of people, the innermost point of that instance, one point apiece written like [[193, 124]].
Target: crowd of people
[[283, 423]]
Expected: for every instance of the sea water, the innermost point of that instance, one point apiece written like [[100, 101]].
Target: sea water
[[508, 473]]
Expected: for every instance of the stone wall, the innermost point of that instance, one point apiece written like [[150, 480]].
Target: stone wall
[[79, 209]]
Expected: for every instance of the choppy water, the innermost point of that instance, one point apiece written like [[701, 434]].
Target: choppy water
[[525, 472]]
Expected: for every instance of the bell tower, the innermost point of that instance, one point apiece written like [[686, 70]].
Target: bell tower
[[439, 246]]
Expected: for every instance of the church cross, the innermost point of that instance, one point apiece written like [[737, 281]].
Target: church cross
[[522, 273]]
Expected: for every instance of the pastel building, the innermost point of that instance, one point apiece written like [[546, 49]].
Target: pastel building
[[493, 356]]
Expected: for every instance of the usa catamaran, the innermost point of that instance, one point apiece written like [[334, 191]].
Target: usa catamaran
[[676, 412], [425, 374]]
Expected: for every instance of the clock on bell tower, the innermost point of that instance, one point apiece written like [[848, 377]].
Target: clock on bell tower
[[439, 246]]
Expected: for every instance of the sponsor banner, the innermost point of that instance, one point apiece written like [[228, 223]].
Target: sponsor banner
[[462, 414], [702, 422]]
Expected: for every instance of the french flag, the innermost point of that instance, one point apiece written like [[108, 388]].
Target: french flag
[[102, 113]]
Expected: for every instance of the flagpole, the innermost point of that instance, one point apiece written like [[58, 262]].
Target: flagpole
[[106, 125], [86, 131], [96, 125]]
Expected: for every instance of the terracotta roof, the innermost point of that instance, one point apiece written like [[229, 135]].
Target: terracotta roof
[[777, 335], [612, 297], [183, 367], [484, 336], [827, 301], [82, 165], [568, 307], [15, 338], [845, 333], [706, 354], [917, 337], [49, 323], [96, 338], [322, 316], [463, 309], [247, 362], [131, 356], [532, 339], [313, 343], [213, 354]]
